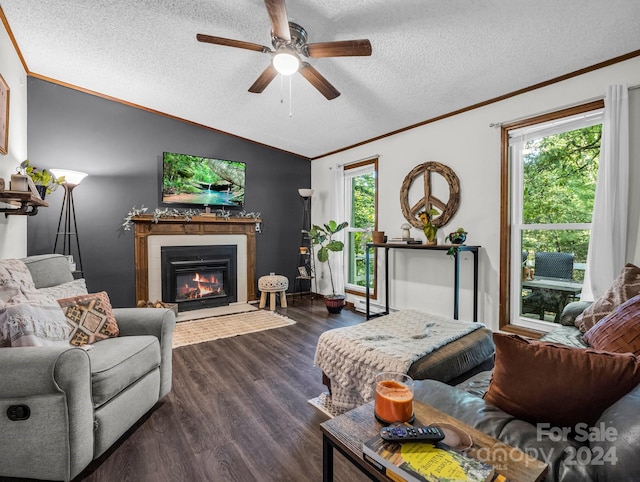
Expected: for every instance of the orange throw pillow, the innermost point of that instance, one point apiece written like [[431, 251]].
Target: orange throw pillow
[[90, 317], [544, 382], [618, 332]]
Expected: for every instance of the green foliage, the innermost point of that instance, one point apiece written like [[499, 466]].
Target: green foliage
[[560, 173], [458, 236], [322, 236], [43, 177], [363, 198], [430, 229], [188, 174]]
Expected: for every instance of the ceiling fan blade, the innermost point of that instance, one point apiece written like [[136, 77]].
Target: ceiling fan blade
[[264, 79], [279, 19], [318, 81], [231, 43], [343, 48]]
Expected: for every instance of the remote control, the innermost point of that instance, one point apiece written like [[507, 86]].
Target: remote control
[[403, 433]]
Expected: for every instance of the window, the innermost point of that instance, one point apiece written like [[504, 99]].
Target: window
[[552, 166], [360, 184]]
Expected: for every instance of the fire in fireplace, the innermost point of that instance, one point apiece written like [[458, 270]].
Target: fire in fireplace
[[197, 277], [199, 285]]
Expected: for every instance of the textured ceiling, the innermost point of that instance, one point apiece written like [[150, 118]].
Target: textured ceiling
[[429, 58]]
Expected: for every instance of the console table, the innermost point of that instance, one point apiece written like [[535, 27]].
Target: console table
[[425, 247]]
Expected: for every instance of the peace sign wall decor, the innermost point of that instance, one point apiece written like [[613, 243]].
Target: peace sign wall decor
[[428, 201]]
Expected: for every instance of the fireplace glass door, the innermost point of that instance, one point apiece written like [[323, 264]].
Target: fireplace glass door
[[198, 277], [193, 284]]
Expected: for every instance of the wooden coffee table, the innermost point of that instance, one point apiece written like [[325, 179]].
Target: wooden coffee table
[[346, 433]]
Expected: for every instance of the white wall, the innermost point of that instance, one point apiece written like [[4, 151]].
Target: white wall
[[13, 230], [467, 144]]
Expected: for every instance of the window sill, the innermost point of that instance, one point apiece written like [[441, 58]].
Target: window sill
[[519, 330]]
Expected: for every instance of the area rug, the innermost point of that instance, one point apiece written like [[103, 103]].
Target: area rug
[[200, 331], [323, 403]]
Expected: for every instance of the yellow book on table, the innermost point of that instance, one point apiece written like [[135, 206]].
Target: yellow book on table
[[424, 462]]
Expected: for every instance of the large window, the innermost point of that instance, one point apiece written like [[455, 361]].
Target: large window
[[553, 167], [360, 182]]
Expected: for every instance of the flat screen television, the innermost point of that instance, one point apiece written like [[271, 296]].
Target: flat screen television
[[189, 181]]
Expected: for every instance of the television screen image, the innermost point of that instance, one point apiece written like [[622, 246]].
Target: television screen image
[[203, 181]]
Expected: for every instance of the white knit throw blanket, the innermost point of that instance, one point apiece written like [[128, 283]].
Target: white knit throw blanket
[[352, 356]]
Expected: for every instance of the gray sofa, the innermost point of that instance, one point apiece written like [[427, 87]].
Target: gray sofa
[[611, 458], [79, 402]]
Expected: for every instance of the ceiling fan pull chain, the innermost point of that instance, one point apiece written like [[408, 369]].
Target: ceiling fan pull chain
[[290, 97], [281, 89]]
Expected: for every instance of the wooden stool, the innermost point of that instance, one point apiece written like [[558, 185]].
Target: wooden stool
[[273, 284]]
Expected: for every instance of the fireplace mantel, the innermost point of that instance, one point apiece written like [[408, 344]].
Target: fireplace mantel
[[144, 226]]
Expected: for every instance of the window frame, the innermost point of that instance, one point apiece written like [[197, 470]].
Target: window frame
[[506, 228], [350, 288]]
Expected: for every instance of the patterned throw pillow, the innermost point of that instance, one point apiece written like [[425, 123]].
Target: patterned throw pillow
[[624, 287], [618, 332], [90, 317]]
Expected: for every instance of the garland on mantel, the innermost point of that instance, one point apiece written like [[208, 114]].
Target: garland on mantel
[[186, 214]]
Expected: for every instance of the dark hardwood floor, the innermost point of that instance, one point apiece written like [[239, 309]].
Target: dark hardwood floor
[[238, 411]]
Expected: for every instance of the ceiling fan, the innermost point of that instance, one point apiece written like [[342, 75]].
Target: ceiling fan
[[289, 42]]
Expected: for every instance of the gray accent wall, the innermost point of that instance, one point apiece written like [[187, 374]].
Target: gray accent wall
[[121, 147]]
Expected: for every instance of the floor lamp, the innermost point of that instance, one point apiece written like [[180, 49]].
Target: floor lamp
[[68, 212]]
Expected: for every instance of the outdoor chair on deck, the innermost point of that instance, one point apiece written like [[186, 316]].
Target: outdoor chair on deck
[[554, 266]]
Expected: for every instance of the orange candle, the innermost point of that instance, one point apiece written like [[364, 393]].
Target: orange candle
[[394, 400]]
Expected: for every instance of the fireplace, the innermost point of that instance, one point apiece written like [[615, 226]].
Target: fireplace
[[152, 234], [198, 277]]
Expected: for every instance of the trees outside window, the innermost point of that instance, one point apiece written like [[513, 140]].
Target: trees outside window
[[361, 208], [553, 168]]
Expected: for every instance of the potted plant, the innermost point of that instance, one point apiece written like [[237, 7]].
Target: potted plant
[[44, 180], [429, 228], [457, 237], [323, 236]]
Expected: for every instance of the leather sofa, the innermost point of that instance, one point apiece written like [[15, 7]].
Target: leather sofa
[[613, 457], [607, 452], [62, 407]]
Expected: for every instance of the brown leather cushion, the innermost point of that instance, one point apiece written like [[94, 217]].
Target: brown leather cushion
[[624, 287], [618, 332], [547, 383], [90, 317]]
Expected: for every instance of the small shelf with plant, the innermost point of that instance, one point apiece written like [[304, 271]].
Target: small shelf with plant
[[44, 179]]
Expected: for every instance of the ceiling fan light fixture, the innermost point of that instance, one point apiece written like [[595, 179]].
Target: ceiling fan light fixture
[[286, 62]]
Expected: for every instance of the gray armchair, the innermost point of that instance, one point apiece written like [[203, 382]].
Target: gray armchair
[[61, 407]]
